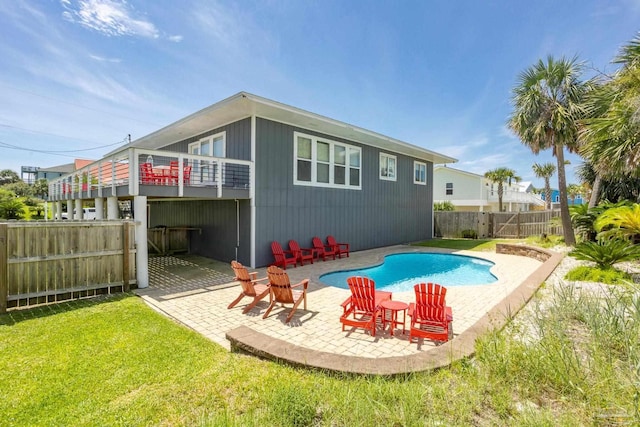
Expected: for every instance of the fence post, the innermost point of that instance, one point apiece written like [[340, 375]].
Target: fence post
[[518, 222], [125, 256], [4, 272]]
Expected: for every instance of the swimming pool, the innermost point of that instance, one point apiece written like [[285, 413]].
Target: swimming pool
[[399, 272]]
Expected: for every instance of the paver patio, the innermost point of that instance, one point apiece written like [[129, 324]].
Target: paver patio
[[197, 296]]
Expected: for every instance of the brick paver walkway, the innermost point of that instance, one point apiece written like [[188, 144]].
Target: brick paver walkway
[[198, 295]]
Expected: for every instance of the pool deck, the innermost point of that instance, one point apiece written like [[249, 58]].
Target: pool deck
[[314, 337]]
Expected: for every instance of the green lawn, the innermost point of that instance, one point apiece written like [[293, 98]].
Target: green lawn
[[114, 361]]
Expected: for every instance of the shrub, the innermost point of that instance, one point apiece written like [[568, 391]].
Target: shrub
[[610, 276], [607, 252], [469, 234], [444, 206]]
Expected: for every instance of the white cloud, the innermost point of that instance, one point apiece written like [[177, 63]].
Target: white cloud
[[103, 59], [109, 17], [176, 38]]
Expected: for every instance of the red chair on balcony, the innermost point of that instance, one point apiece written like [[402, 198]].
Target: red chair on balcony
[[147, 176], [186, 175], [339, 248], [362, 308], [280, 256], [173, 172], [430, 317], [301, 254], [323, 251]]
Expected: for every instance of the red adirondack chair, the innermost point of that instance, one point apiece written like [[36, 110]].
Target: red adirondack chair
[[430, 317], [280, 256], [362, 308], [173, 172], [283, 292], [339, 248], [301, 254], [186, 175], [323, 251], [251, 286]]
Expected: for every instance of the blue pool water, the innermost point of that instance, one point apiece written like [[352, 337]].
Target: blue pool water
[[399, 272]]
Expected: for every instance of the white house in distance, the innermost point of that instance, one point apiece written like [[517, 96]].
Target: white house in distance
[[474, 193]]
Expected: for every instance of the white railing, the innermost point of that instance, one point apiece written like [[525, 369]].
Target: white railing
[[511, 196], [124, 169]]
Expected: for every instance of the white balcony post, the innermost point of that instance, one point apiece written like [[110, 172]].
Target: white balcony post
[[58, 210], [112, 208], [99, 202], [219, 177], [78, 209], [142, 256]]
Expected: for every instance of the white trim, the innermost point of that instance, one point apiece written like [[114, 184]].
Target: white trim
[[332, 165], [252, 195], [386, 157], [415, 181]]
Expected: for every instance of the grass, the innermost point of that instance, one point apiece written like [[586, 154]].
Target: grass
[[114, 361], [481, 245]]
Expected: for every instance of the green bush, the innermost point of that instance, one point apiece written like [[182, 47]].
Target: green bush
[[610, 276], [469, 234], [607, 252], [444, 206]]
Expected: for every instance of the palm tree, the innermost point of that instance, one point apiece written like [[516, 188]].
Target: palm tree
[[545, 171], [547, 106], [500, 176], [573, 191], [611, 135]]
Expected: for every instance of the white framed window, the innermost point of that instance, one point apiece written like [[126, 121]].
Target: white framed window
[[320, 162], [387, 167], [420, 173], [213, 145], [448, 188]]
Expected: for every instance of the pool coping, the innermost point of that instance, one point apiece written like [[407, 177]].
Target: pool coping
[[245, 339]]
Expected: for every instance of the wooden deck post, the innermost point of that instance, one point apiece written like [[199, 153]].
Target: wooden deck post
[[4, 272]]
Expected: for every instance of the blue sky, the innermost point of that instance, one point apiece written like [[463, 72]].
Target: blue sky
[[78, 76]]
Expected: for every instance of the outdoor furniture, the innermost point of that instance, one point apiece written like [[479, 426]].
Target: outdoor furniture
[[301, 254], [430, 317], [390, 310], [322, 250], [147, 175], [173, 172], [362, 308], [251, 286], [339, 248], [280, 256], [283, 292], [186, 175]]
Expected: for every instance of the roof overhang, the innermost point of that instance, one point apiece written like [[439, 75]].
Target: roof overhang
[[243, 105]]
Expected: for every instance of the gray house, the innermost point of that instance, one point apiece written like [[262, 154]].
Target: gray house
[[248, 170]]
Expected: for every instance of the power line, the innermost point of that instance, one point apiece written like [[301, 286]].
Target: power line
[[63, 136], [58, 152], [78, 105]]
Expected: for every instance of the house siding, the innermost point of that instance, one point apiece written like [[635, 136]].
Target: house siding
[[382, 213], [217, 222], [238, 140]]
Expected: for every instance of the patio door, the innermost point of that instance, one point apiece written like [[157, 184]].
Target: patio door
[[203, 171]]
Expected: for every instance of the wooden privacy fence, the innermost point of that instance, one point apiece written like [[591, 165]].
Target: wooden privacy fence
[[495, 224], [43, 262]]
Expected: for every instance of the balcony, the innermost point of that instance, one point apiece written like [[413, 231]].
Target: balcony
[[156, 174], [512, 196]]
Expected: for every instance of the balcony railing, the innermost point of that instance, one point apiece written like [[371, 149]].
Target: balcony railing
[[140, 171]]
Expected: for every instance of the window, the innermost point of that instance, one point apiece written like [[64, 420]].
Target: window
[[419, 173], [449, 188], [323, 163], [387, 167], [213, 145]]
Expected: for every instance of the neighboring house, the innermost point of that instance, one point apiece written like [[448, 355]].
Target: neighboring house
[[31, 174], [472, 192], [555, 199], [252, 170]]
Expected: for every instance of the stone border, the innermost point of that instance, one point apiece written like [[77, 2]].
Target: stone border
[[248, 340]]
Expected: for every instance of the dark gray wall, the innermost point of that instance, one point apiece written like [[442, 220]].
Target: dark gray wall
[[238, 140], [381, 213], [216, 219]]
